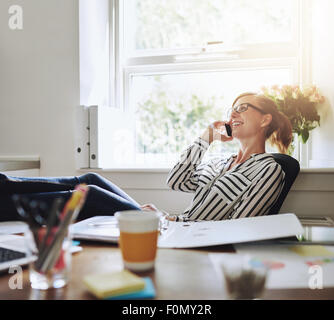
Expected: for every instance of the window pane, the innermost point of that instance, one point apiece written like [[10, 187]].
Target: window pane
[[167, 24], [173, 109]]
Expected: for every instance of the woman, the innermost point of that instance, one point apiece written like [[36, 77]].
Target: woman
[[243, 185]]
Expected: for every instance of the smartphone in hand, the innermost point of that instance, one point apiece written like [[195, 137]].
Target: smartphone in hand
[[228, 130]]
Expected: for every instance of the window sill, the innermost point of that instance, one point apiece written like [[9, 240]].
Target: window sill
[[127, 170], [19, 163], [317, 170]]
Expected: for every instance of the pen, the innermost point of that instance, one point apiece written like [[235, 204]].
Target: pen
[[50, 226]]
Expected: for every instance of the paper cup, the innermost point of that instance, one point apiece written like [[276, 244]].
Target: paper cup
[[138, 238]]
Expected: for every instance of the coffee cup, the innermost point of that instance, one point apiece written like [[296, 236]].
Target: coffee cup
[[138, 239]]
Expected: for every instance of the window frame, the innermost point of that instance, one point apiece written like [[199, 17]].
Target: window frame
[[295, 54]]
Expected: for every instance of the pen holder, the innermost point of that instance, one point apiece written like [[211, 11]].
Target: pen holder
[[53, 265]]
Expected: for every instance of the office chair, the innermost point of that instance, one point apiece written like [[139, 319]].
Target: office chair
[[291, 168]]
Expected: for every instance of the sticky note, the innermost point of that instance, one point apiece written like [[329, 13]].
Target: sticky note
[[147, 293], [312, 251], [113, 284]]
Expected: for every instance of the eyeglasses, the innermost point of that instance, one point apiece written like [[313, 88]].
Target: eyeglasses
[[242, 108]]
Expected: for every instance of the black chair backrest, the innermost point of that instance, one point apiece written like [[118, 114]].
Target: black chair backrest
[[291, 168]]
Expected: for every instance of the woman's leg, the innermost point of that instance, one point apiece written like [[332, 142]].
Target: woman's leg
[[102, 202], [9, 212], [50, 184], [97, 180], [98, 202]]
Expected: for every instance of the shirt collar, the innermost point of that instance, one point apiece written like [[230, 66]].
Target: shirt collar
[[260, 156], [254, 157]]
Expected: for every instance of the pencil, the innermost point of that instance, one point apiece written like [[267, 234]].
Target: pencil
[[69, 214]]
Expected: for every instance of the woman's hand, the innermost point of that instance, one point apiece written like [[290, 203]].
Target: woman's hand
[[152, 207], [216, 131], [149, 207]]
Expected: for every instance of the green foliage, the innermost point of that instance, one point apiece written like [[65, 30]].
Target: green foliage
[[191, 23], [299, 105], [168, 126]]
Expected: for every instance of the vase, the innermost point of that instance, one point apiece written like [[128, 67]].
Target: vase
[[293, 145]]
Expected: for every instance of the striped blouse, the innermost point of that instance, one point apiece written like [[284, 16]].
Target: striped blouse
[[248, 189]]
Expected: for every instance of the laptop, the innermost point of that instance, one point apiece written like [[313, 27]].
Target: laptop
[[13, 252], [14, 247]]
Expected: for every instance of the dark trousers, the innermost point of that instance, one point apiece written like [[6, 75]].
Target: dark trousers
[[104, 197]]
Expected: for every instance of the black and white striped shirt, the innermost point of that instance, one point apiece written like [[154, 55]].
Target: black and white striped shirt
[[248, 189]]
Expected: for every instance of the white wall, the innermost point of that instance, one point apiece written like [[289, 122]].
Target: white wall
[[39, 83], [322, 153]]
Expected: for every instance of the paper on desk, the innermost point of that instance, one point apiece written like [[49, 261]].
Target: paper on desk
[[20, 243], [312, 251], [198, 234], [13, 227], [287, 269], [210, 233], [98, 228]]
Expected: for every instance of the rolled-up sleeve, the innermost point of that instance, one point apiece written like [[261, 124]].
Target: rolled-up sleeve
[[262, 193], [183, 175]]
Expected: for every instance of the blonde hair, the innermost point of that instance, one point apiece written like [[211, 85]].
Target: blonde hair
[[279, 131]]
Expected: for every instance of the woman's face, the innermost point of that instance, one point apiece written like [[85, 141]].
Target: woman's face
[[248, 123]]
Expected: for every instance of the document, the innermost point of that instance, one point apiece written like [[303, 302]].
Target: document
[[99, 228], [210, 233], [198, 234]]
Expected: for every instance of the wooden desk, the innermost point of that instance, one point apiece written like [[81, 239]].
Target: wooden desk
[[179, 274]]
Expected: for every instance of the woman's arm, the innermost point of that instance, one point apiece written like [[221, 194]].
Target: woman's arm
[[262, 193], [183, 176]]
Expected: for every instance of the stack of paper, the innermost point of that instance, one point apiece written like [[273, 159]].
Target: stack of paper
[[99, 228]]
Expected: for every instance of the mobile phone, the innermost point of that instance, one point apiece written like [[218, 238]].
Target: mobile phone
[[228, 130]]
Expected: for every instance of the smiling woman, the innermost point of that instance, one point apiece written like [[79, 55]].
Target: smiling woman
[[278, 130], [243, 185]]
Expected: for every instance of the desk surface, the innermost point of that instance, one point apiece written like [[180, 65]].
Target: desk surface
[[179, 274]]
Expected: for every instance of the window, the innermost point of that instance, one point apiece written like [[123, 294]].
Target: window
[[176, 66], [173, 24]]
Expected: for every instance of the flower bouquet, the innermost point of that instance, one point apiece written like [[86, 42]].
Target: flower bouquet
[[299, 105]]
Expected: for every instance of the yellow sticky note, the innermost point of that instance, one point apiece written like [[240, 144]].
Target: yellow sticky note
[[113, 284], [312, 251]]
